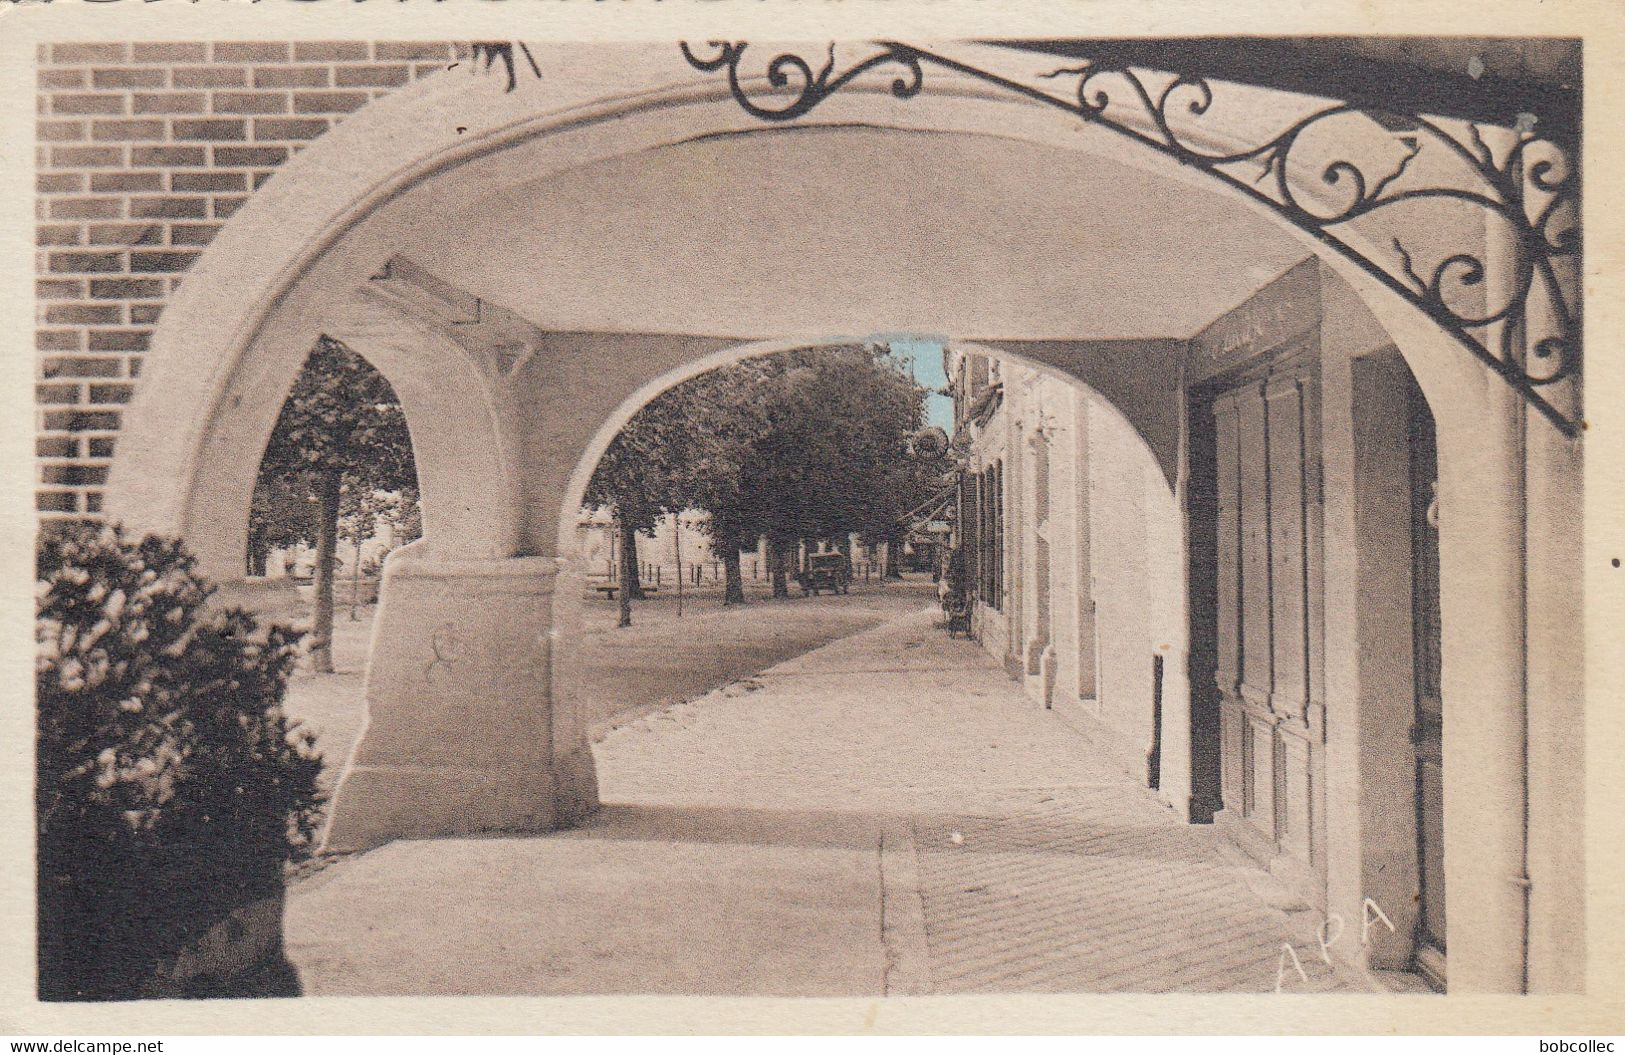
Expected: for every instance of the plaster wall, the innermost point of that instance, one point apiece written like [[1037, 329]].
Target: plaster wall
[[1132, 518], [1108, 494], [1509, 498], [568, 390], [1371, 781], [1168, 599]]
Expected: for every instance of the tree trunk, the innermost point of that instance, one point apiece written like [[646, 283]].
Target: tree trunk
[[631, 578], [734, 592], [259, 554], [327, 538], [355, 582], [894, 558], [629, 572], [777, 559]]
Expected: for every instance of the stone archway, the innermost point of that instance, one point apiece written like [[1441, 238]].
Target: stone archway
[[334, 215], [462, 733], [1143, 430]]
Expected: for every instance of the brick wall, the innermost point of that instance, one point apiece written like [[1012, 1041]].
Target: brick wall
[[144, 151]]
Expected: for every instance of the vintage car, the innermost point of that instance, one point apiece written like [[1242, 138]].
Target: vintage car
[[825, 571]]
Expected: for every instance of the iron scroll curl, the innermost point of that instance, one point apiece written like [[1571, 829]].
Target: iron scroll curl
[[790, 69], [1361, 182]]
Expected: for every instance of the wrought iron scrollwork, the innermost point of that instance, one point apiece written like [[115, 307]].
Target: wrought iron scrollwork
[[1370, 185], [492, 52], [790, 70]]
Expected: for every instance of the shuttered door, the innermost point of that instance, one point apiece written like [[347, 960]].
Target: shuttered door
[[1427, 732], [1266, 432]]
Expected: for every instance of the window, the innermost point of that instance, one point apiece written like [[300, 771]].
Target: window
[[990, 535], [984, 584], [970, 526], [998, 535]]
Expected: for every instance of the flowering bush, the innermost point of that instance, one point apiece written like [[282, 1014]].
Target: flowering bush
[[171, 788]]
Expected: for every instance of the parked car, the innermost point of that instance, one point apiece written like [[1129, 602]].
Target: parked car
[[825, 571]]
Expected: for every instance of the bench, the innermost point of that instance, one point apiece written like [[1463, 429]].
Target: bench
[[609, 592]]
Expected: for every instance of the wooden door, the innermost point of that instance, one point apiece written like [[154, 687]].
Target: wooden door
[[1427, 729], [1267, 598]]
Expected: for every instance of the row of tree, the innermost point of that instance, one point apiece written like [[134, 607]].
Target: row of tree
[[793, 447]]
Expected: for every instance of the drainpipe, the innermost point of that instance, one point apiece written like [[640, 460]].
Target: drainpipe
[[1520, 477]]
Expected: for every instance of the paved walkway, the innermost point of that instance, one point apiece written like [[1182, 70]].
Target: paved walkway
[[660, 659], [886, 814]]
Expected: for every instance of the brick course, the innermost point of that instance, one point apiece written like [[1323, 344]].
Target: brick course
[[144, 149]]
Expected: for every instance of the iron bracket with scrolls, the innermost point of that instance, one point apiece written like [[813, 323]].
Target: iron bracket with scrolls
[[490, 52], [1518, 313]]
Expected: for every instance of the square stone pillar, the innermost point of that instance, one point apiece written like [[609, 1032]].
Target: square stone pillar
[[1371, 769], [459, 730]]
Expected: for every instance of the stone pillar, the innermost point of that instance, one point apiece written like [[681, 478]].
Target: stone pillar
[[1040, 652], [1370, 767], [1483, 590], [1481, 522], [1482, 534], [1555, 549], [1063, 534], [1175, 764], [458, 737], [1015, 524]]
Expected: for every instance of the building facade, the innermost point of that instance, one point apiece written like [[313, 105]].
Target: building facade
[[1262, 641], [1069, 542], [679, 544]]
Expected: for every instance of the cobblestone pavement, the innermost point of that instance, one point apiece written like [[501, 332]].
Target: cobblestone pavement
[[1075, 892], [1041, 867], [886, 814]]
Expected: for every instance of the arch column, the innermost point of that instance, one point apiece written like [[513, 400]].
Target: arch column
[[1509, 496], [1481, 541], [1482, 508], [1481, 519], [459, 735]]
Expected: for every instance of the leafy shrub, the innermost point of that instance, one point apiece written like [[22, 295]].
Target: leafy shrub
[[171, 789]]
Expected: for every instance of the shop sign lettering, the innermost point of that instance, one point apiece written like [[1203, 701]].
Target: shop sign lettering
[[1255, 327]]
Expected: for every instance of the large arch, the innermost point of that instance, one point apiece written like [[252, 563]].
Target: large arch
[[1142, 422], [462, 733], [338, 210]]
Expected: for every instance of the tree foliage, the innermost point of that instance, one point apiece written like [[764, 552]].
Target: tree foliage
[[364, 514], [341, 417], [341, 433], [808, 444], [835, 456]]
